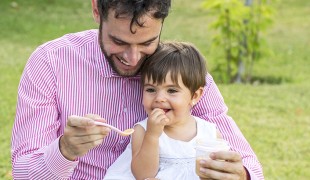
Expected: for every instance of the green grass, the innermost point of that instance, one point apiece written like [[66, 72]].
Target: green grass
[[275, 118]]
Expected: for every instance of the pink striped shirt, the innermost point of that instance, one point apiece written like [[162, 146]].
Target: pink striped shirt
[[70, 76]]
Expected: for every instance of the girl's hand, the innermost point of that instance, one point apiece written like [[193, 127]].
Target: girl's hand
[[156, 122]]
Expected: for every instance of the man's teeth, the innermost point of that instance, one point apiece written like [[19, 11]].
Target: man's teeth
[[124, 62]]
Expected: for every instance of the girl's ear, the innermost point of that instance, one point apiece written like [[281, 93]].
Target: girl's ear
[[197, 95], [96, 14]]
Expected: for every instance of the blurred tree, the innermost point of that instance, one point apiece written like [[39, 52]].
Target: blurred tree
[[240, 24]]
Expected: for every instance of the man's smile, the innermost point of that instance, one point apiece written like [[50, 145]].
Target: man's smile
[[122, 61]]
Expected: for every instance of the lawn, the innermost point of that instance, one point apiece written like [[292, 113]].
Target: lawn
[[274, 116]]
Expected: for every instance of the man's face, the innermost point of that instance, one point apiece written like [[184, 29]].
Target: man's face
[[125, 50]]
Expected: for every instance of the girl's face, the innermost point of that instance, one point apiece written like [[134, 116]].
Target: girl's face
[[175, 99]]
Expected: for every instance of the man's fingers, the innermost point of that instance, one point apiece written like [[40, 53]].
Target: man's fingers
[[230, 156], [87, 139], [81, 149], [96, 117], [213, 174], [81, 135], [92, 116], [223, 165], [78, 121]]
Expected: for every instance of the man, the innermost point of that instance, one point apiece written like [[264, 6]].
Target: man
[[93, 75]]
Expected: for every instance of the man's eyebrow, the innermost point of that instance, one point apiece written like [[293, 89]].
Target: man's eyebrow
[[150, 40], [147, 41]]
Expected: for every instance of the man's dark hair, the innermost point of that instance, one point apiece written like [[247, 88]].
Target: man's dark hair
[[135, 9], [176, 58]]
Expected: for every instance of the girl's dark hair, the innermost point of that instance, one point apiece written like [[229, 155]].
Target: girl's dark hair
[[134, 9], [178, 58]]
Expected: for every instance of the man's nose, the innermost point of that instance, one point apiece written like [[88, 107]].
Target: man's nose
[[132, 55]]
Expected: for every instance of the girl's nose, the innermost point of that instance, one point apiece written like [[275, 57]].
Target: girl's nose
[[160, 97]]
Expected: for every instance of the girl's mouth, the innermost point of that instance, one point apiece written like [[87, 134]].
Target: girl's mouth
[[166, 110]]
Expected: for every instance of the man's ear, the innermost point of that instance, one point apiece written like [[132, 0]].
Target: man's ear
[[96, 14], [197, 95]]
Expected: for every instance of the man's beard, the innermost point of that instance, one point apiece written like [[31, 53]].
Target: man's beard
[[112, 63]]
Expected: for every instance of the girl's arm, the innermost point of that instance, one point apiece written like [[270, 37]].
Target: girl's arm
[[145, 145], [145, 154]]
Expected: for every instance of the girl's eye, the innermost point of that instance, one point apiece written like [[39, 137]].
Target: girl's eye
[[172, 91], [150, 90]]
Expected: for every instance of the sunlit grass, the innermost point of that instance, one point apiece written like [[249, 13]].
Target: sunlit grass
[[275, 118]]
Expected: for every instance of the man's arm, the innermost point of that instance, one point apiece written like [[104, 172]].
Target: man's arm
[[46, 145], [212, 108], [35, 138]]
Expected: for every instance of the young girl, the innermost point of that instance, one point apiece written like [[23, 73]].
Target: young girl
[[163, 145]]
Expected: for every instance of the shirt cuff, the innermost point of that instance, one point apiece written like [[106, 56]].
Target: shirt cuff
[[57, 163], [252, 175]]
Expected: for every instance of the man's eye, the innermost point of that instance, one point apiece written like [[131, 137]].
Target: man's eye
[[117, 42], [147, 43]]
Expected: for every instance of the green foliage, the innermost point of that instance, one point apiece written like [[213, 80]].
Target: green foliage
[[240, 27], [273, 113]]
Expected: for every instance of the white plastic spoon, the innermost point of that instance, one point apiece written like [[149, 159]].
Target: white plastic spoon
[[127, 132]]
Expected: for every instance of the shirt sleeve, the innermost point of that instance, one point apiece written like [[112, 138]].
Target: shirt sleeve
[[35, 134], [212, 107]]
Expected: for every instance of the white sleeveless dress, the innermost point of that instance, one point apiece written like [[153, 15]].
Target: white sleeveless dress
[[177, 158]]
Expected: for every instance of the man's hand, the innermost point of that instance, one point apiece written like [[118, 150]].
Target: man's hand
[[223, 165], [81, 135]]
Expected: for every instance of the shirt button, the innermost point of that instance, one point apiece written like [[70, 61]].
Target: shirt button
[[71, 170]]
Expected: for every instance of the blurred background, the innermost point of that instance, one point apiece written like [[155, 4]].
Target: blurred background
[[271, 109]]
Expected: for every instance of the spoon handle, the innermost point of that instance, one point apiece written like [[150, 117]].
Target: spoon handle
[[108, 125]]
